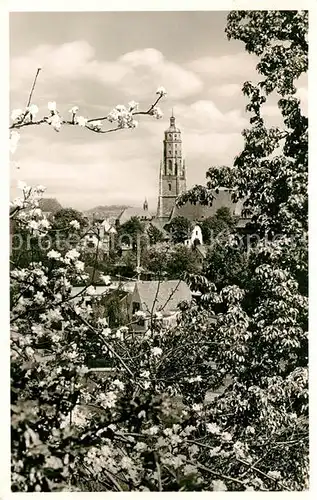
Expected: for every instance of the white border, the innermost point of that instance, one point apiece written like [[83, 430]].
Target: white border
[[139, 5]]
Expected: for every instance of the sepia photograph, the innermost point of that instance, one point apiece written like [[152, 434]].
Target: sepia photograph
[[159, 251]]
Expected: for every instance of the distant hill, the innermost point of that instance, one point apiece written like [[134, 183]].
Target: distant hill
[[106, 211]]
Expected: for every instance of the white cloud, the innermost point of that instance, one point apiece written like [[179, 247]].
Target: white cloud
[[226, 66], [204, 116], [141, 71], [226, 90]]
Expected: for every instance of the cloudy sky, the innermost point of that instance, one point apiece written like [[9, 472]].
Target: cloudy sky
[[100, 59]]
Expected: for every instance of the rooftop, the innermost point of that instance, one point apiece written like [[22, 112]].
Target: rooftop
[[165, 295]]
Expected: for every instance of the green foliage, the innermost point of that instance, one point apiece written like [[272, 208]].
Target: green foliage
[[145, 425], [170, 261], [154, 234], [131, 231], [63, 217], [223, 221], [180, 229]]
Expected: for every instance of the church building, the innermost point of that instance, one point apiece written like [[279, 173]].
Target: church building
[[172, 183]]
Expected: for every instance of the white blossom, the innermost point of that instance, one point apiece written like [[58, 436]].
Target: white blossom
[[140, 446], [74, 110], [126, 463], [29, 351], [108, 400], [250, 430], [39, 297], [75, 224], [52, 254], [44, 223], [33, 110], [121, 108], [51, 106], [91, 290], [16, 114], [192, 380], [56, 122], [106, 332], [190, 469], [54, 315], [152, 430], [113, 116], [274, 474], [197, 407], [157, 112], [103, 322], [212, 428], [226, 436], [214, 451], [79, 265], [219, 485], [40, 189], [106, 279], [72, 254], [81, 121], [133, 106], [161, 91], [140, 314], [37, 330], [119, 384], [156, 351]]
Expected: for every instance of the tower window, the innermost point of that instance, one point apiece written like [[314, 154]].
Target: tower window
[[169, 186]]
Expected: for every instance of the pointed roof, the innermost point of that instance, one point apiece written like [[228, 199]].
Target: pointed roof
[[172, 127], [165, 295]]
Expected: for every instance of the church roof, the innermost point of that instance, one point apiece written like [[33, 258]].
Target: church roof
[[130, 212], [199, 212], [172, 127]]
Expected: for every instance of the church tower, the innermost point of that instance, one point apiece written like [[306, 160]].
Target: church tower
[[172, 171]]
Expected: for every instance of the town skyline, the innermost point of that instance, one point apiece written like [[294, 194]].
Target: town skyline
[[99, 60]]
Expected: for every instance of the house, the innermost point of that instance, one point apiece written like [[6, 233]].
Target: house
[[102, 233], [161, 298], [196, 237]]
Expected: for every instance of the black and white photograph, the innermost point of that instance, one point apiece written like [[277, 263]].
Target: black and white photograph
[[158, 233]]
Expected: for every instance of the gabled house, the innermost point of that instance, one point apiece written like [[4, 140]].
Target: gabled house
[[161, 299]]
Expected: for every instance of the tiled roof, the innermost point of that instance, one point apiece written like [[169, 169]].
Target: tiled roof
[[199, 212], [165, 295], [130, 212], [50, 205]]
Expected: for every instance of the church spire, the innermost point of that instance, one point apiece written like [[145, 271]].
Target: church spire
[[145, 205], [172, 119]]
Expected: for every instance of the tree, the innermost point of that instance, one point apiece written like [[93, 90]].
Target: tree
[[170, 261], [180, 229], [131, 231], [147, 426], [154, 234], [260, 331], [222, 221], [64, 218]]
